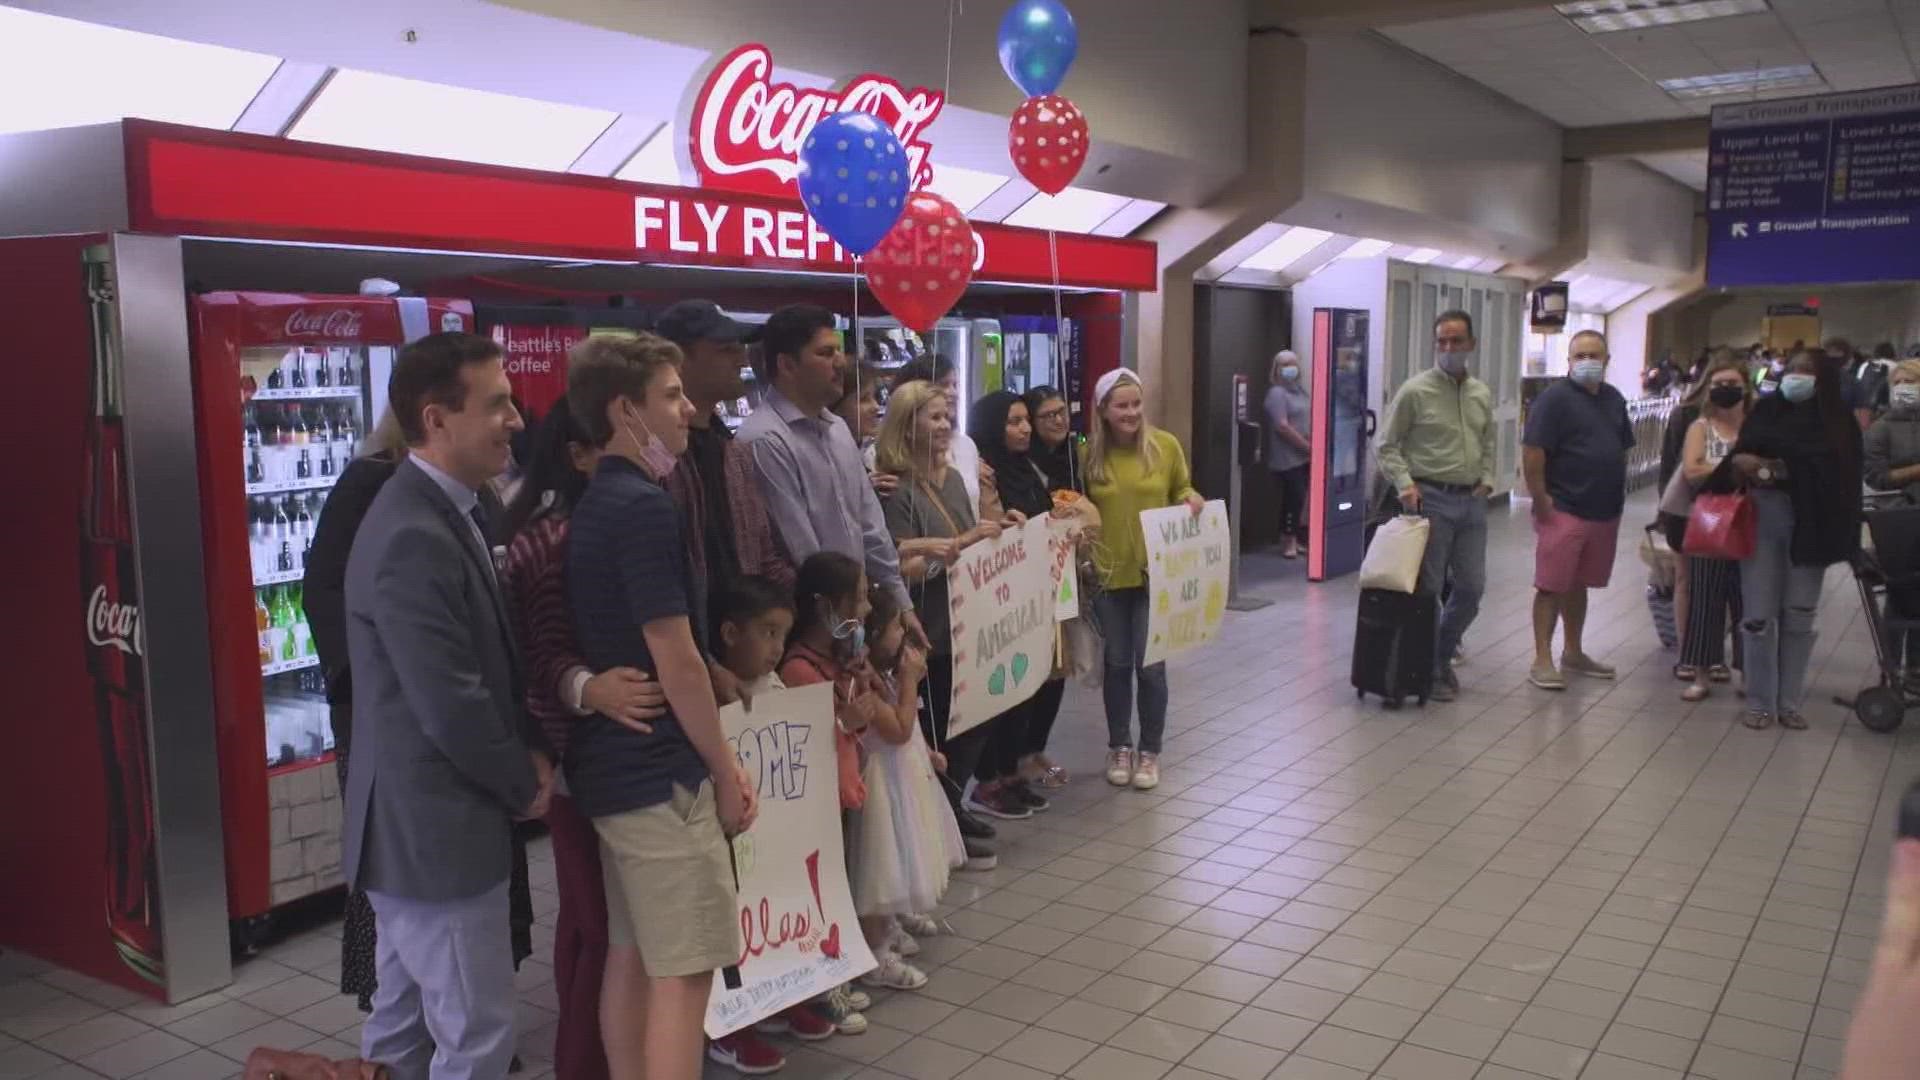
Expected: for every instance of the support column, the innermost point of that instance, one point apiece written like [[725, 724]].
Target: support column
[[1189, 238]]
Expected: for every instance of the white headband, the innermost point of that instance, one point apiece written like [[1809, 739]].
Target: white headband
[[1111, 379]]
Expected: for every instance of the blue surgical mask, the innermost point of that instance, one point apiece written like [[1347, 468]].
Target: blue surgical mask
[[1797, 387], [1588, 373], [1290, 372], [849, 639]]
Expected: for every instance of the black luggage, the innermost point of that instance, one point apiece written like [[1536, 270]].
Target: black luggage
[[1393, 645]]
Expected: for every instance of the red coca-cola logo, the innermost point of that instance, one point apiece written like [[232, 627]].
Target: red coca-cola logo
[[745, 131], [112, 624], [327, 323]]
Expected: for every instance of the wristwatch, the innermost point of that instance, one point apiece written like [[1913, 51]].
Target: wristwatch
[[1764, 474]]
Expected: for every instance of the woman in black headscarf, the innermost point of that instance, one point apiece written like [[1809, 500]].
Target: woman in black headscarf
[[1003, 430]]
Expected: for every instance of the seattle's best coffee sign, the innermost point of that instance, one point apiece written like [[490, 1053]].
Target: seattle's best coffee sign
[[744, 131]]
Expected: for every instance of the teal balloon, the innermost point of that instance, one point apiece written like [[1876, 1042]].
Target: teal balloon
[[1038, 42], [854, 178]]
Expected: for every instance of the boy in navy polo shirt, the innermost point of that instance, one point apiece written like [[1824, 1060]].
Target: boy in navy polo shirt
[[663, 804]]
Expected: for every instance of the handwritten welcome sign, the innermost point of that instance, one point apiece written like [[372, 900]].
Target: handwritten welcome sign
[[1062, 540], [1001, 599], [1187, 572], [799, 935]]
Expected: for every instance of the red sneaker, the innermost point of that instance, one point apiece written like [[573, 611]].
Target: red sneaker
[[800, 1022], [747, 1054]]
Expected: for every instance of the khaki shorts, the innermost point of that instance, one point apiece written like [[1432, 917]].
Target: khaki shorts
[[669, 880]]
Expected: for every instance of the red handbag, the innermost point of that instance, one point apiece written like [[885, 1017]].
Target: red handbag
[[1720, 527]]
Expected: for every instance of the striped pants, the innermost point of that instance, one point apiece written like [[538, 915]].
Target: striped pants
[[1713, 606]]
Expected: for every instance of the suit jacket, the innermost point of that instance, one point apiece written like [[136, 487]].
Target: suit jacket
[[440, 758]]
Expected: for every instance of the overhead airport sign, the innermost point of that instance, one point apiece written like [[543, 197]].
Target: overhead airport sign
[[1815, 190]]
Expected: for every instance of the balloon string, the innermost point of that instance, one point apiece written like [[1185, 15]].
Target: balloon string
[[946, 87], [1059, 355]]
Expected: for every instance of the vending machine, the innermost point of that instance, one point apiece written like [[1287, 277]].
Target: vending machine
[[1342, 429], [973, 346], [289, 388]]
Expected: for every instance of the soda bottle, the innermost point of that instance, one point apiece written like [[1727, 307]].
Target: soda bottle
[[299, 380], [274, 379], [303, 469], [326, 461], [301, 630], [256, 469], [116, 643], [263, 621], [302, 434], [346, 368], [322, 371]]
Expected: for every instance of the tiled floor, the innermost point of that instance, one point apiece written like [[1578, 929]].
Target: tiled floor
[[1604, 884]]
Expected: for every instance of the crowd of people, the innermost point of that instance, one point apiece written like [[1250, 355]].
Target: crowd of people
[[562, 653]]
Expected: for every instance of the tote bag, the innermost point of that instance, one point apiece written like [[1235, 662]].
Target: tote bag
[[1720, 527], [1393, 560]]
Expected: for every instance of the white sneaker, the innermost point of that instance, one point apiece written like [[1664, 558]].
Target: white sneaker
[[1120, 766], [1146, 774]]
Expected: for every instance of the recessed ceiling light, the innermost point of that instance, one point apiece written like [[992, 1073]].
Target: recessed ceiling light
[[1609, 16], [1365, 248], [1750, 81], [1291, 246]]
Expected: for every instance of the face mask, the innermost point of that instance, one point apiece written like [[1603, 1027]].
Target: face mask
[[1290, 372], [1905, 395], [1455, 364], [1796, 387], [653, 453], [1726, 397], [1589, 372], [849, 639]]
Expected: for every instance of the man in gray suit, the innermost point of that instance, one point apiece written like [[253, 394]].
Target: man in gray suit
[[444, 757]]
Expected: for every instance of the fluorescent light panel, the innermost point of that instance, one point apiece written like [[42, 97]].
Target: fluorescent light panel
[[1423, 256], [1365, 248], [1751, 81], [1611, 16], [1129, 218], [65, 73], [655, 162], [1289, 248], [1075, 210], [384, 112], [964, 188]]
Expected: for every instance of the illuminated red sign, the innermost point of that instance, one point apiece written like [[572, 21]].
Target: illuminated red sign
[[745, 130]]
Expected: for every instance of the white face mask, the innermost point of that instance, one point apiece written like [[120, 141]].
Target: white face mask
[[1906, 395], [1588, 373], [1456, 363]]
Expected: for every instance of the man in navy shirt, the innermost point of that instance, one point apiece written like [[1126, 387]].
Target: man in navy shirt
[[663, 803], [1574, 454]]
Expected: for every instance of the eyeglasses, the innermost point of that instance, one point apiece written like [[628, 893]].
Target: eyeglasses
[[1052, 414]]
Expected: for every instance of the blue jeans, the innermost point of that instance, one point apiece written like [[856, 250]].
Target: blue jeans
[[1780, 601], [1123, 626], [1456, 548]]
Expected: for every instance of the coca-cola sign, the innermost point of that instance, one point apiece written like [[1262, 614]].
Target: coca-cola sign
[[744, 131], [339, 324], [113, 625]]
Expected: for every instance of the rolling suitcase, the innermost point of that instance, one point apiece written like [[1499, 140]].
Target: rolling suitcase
[[1393, 645]]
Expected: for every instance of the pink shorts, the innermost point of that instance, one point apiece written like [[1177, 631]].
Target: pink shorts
[[1573, 553]]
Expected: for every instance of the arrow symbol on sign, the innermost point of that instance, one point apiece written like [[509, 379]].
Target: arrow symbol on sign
[[1739, 229]]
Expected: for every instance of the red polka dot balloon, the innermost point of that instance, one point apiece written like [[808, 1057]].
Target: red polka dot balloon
[[1048, 141], [924, 263]]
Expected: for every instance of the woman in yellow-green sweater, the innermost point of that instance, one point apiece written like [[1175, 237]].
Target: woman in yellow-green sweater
[[1130, 466]]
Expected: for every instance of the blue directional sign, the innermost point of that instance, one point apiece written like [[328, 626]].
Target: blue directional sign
[[1815, 190]]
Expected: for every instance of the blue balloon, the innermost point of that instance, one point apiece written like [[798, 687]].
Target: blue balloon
[[854, 178], [1038, 42]]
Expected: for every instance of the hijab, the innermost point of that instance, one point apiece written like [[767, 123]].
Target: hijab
[[1021, 484], [1056, 462]]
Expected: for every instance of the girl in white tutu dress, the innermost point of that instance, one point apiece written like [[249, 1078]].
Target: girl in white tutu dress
[[904, 843]]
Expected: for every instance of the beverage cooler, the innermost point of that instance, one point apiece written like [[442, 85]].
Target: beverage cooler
[[973, 346], [284, 399]]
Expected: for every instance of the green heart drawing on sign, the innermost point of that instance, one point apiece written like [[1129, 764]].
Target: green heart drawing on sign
[[1020, 665], [997, 682]]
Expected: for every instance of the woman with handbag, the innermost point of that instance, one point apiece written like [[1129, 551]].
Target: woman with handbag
[[1798, 457], [1713, 584], [1131, 466]]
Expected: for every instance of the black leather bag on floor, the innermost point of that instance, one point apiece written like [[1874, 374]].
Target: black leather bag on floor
[[1393, 645]]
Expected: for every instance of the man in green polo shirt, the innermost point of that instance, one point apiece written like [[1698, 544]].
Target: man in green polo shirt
[[1437, 450]]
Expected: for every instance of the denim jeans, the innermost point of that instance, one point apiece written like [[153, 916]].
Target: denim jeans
[[1456, 546], [1123, 625], [1780, 601]]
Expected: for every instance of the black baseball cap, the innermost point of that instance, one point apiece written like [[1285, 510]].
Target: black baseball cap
[[702, 320]]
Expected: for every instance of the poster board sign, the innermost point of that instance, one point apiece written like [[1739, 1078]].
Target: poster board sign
[[1061, 536], [799, 934], [1000, 599], [1187, 576]]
